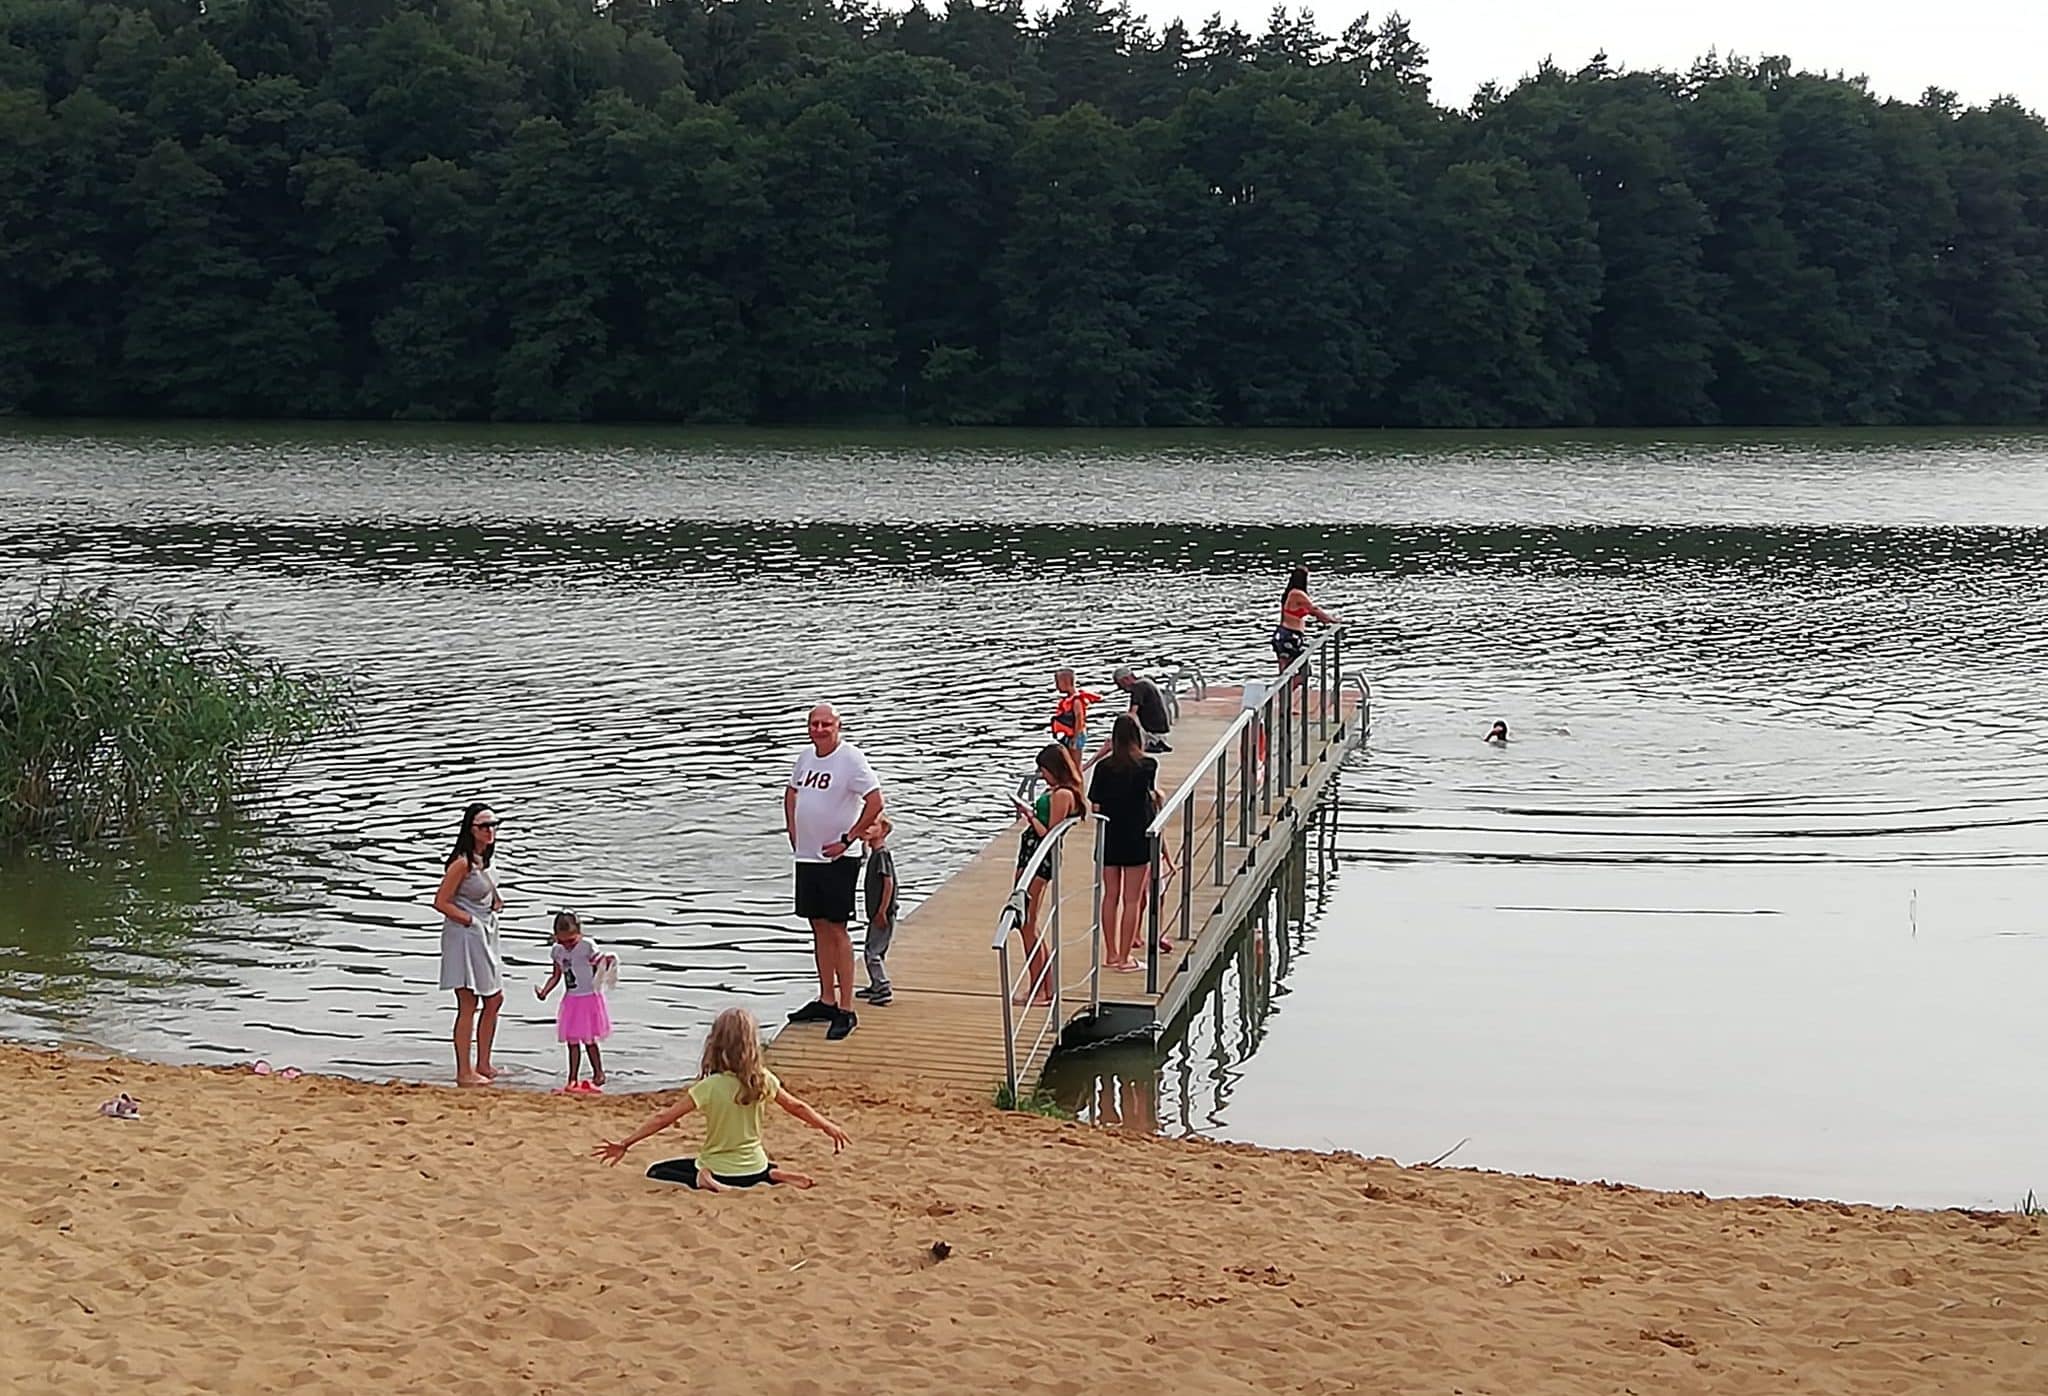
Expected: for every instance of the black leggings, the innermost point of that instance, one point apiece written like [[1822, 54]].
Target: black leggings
[[684, 1171]]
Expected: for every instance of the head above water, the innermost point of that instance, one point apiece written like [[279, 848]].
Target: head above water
[[568, 927], [824, 728], [477, 839], [1498, 732], [734, 1045]]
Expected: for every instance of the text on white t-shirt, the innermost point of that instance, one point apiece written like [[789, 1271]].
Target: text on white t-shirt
[[829, 794]]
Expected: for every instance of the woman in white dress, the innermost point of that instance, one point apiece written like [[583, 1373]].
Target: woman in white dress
[[469, 904]]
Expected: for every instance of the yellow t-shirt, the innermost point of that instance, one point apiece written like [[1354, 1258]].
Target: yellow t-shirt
[[732, 1132]]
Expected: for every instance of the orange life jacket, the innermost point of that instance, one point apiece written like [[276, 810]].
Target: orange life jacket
[[1070, 714]]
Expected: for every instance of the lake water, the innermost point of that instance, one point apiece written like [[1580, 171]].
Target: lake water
[[1752, 903]]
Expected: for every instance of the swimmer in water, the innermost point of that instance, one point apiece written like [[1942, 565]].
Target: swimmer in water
[[1499, 733]]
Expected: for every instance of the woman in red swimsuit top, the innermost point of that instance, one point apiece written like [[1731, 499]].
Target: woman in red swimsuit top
[[1295, 608]]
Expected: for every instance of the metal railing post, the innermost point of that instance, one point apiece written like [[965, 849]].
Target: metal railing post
[[1286, 737], [1323, 689], [1245, 747], [1053, 965], [1009, 1019], [1307, 761], [1152, 922], [1095, 919], [1337, 674], [1187, 868], [1222, 805], [1268, 756]]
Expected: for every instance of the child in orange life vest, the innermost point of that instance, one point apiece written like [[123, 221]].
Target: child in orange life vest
[[1070, 715]]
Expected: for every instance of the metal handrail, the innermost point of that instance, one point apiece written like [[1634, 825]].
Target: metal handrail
[[1280, 731], [1329, 636], [1011, 919], [1276, 741], [1189, 786], [1198, 682], [1012, 915]]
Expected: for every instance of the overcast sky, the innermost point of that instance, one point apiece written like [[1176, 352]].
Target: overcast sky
[[1977, 48]]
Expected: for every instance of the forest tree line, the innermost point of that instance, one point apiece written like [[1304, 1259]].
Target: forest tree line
[[796, 210]]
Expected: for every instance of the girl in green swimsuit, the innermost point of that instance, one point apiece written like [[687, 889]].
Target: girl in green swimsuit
[[1061, 800]]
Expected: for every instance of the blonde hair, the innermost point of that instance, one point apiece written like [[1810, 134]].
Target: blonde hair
[[734, 1045]]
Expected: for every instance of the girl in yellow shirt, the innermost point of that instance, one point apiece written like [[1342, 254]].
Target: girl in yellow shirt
[[735, 1086]]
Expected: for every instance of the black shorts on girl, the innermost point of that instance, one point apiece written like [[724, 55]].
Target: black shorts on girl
[[1287, 643], [684, 1171], [1027, 846]]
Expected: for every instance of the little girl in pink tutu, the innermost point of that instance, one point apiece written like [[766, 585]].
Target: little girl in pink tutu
[[582, 1021]]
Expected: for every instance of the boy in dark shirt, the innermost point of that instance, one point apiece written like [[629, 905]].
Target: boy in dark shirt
[[881, 905]]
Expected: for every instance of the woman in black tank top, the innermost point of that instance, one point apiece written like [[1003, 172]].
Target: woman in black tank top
[[1125, 791]]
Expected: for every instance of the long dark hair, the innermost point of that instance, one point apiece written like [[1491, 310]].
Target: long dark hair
[[1126, 745], [1297, 580], [465, 838], [1056, 763]]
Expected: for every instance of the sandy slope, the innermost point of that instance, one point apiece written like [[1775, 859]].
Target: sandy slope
[[251, 1234]]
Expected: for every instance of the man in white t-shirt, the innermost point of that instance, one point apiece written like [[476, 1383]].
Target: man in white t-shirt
[[832, 799]]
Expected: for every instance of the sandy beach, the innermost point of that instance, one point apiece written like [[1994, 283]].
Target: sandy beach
[[254, 1234]]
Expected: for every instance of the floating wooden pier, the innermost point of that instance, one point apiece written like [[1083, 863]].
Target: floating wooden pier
[[1244, 772]]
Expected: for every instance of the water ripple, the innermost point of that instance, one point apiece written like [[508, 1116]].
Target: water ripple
[[1728, 655]]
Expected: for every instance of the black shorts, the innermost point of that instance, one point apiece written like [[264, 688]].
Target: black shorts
[[684, 1171], [1288, 643], [824, 891], [1026, 847]]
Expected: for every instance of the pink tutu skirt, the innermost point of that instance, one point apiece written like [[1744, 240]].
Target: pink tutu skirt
[[583, 1018]]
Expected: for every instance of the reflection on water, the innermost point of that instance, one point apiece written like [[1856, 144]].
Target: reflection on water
[[1750, 902], [1183, 1083], [76, 922]]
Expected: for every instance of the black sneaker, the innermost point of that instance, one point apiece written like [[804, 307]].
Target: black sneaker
[[881, 998], [816, 1011], [866, 991], [844, 1021]]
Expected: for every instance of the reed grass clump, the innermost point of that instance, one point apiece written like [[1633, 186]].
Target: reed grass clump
[[1037, 1102], [117, 719]]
